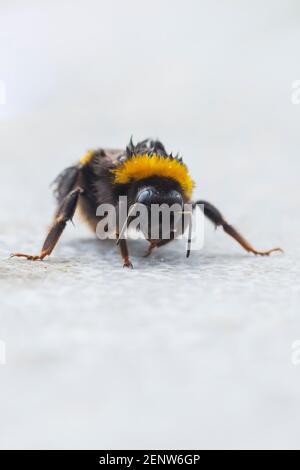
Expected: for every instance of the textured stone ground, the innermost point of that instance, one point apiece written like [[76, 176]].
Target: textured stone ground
[[176, 353]]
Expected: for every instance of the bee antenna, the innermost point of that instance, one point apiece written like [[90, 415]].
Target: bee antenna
[[189, 242], [125, 223]]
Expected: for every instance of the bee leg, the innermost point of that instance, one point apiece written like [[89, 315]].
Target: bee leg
[[124, 253], [64, 214], [215, 216], [152, 245], [157, 244]]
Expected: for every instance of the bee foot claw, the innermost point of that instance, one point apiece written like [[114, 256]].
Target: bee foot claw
[[28, 257], [128, 264], [267, 253]]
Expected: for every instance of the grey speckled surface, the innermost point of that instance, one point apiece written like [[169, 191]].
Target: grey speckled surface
[[176, 353]]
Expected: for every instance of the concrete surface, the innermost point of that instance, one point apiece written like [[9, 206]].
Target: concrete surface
[[177, 353]]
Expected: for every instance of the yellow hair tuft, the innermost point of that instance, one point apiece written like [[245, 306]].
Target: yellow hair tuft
[[87, 157], [144, 166]]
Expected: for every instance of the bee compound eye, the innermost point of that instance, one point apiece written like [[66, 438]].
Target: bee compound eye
[[145, 196], [175, 197]]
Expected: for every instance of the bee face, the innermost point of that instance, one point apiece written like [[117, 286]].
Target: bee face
[[164, 202]]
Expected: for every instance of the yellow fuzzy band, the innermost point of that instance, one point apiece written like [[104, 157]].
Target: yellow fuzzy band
[[140, 167], [87, 157]]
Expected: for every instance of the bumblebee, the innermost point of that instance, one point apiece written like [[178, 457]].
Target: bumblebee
[[146, 174]]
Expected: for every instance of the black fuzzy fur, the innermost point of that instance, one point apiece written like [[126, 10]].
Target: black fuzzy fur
[[96, 179]]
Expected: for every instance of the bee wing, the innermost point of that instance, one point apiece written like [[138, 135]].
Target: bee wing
[[65, 182]]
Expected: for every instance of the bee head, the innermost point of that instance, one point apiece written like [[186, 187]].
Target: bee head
[[163, 199]]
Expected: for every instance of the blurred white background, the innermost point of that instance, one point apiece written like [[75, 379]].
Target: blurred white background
[[176, 353]]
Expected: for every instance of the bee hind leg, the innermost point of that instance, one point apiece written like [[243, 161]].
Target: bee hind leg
[[63, 215], [215, 216]]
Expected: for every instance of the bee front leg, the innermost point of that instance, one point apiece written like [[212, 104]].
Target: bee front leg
[[64, 214], [215, 216], [157, 244], [152, 245], [124, 253]]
